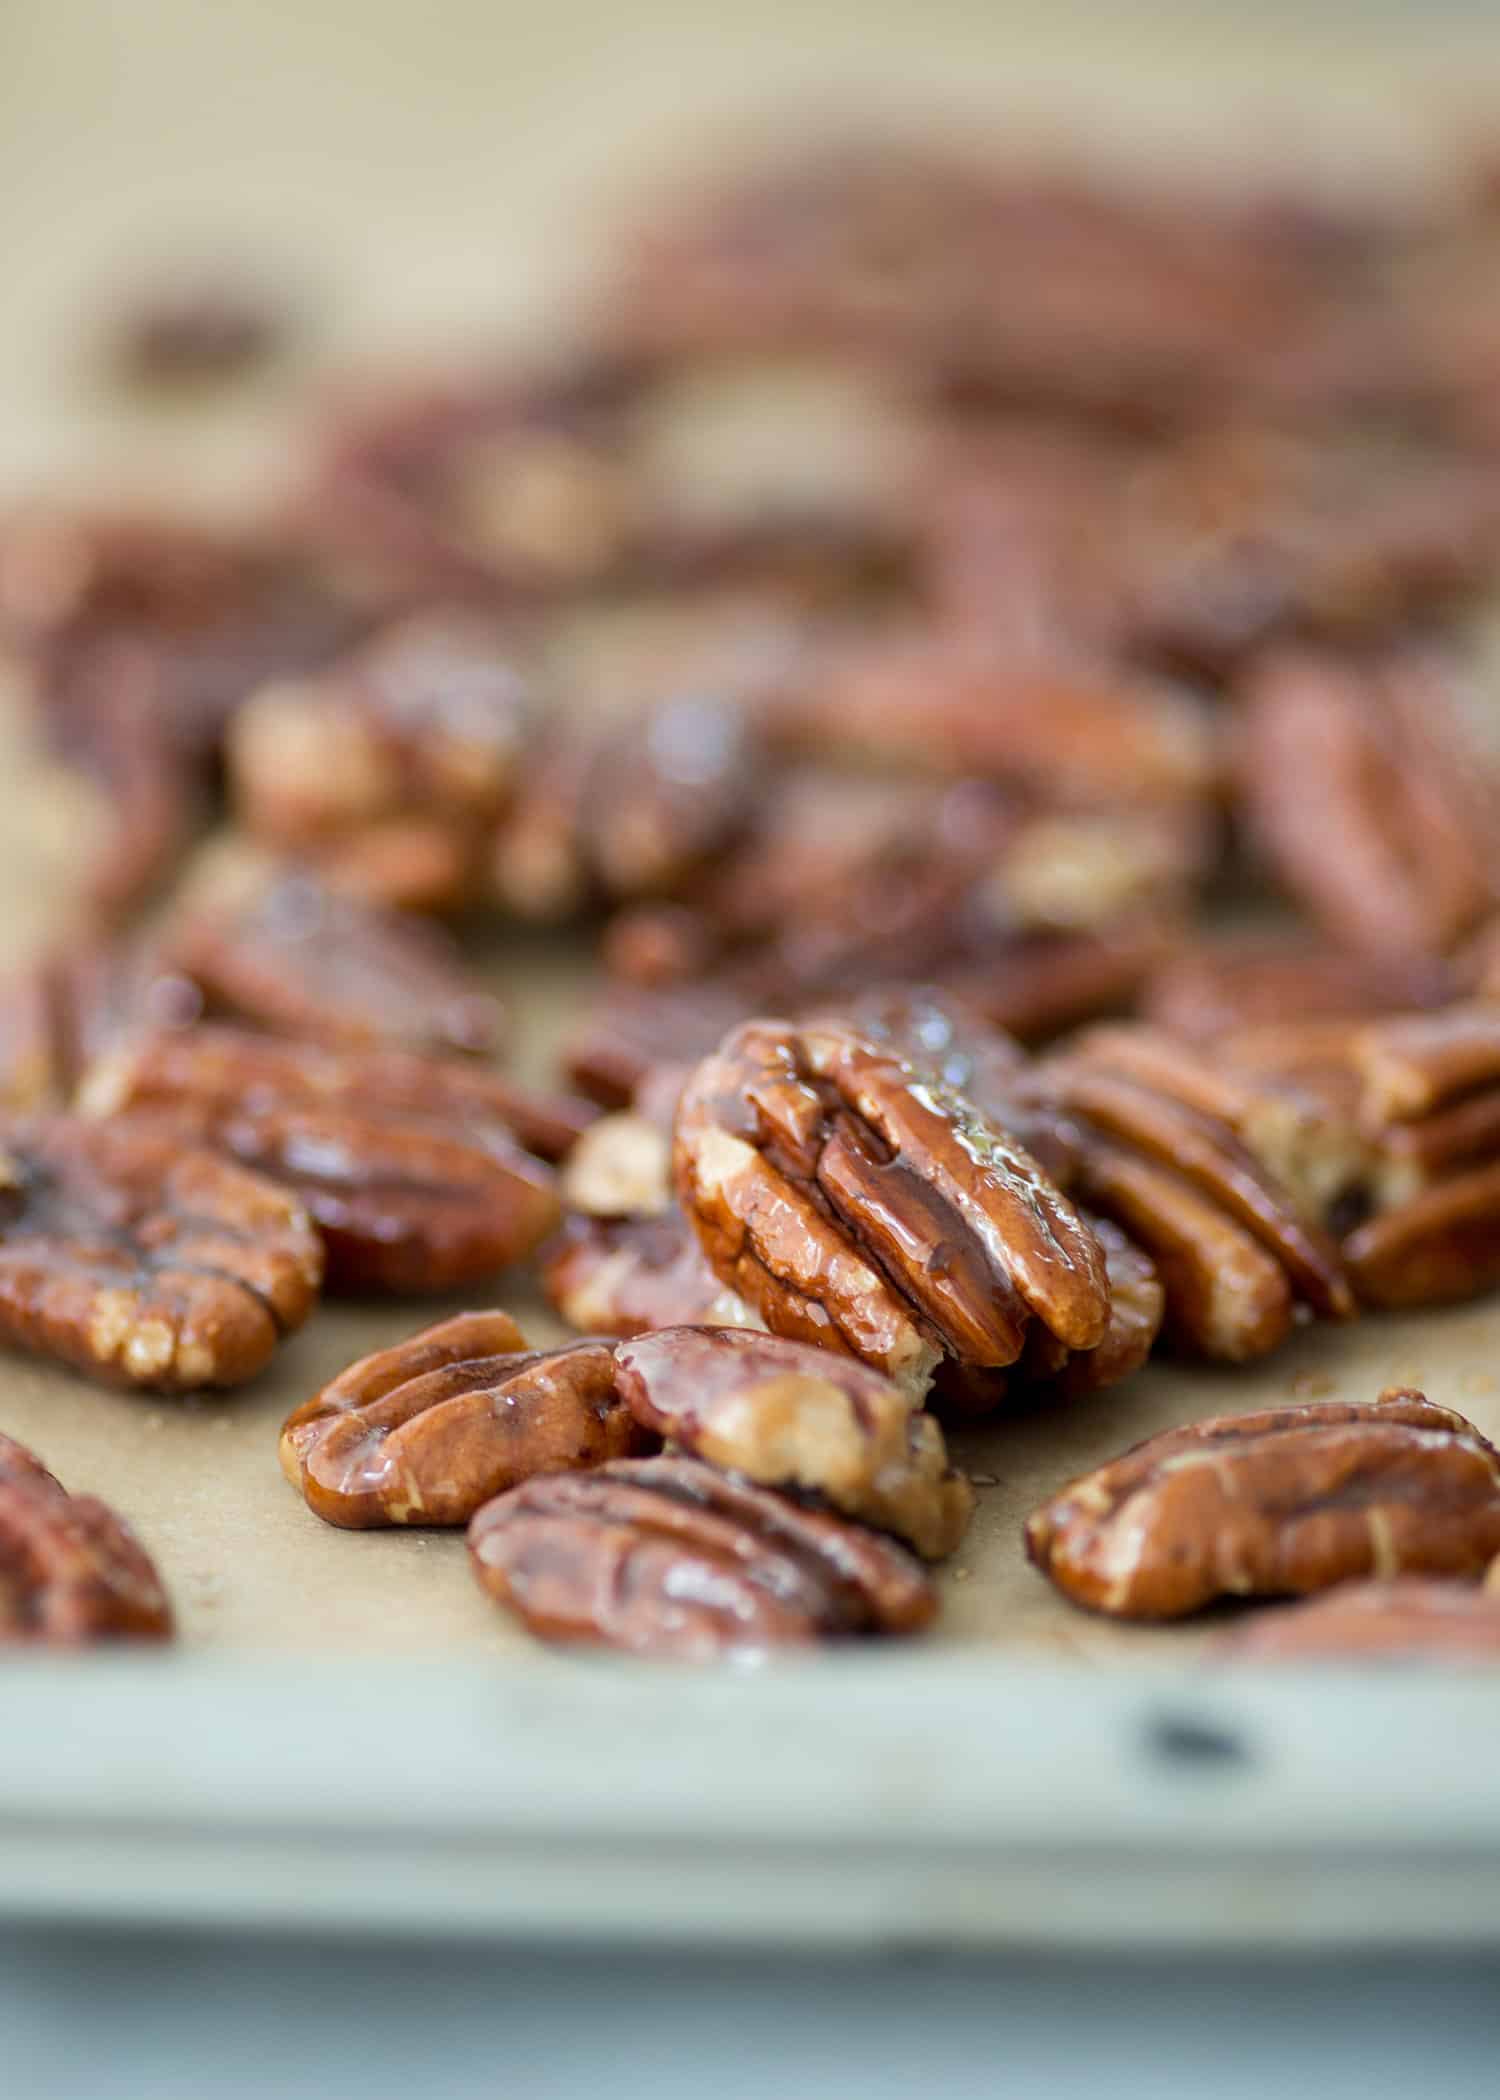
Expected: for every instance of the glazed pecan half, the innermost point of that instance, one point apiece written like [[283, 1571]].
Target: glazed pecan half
[[296, 958], [1281, 1502], [426, 1432], [800, 1419], [856, 1204], [1412, 1621], [71, 1571], [412, 1186], [1361, 793], [630, 1275], [1222, 985], [143, 1261], [666, 1557], [60, 1013]]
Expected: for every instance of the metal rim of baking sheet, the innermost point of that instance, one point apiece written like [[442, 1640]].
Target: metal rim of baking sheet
[[863, 1802]]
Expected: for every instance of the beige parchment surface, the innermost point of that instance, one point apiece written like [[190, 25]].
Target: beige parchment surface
[[434, 176]]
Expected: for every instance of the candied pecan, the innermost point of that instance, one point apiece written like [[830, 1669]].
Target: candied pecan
[[1038, 984], [1359, 791], [622, 1039], [855, 1203], [1044, 1371], [1411, 1621], [414, 740], [1298, 1137], [1220, 986], [1285, 1501], [1416, 1064], [665, 1556], [71, 1571], [426, 1432], [144, 1262], [407, 1165], [224, 1068], [59, 1014], [800, 1419], [1436, 1247], [628, 1276], [299, 960]]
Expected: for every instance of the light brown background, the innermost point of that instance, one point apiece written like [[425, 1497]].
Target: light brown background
[[432, 177]]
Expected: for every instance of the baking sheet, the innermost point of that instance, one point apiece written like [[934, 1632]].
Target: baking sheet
[[143, 1782]]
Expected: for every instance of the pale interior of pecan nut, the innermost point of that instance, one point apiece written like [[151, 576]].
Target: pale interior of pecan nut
[[620, 1167], [1286, 1500], [71, 1571], [666, 1556], [629, 1276], [790, 1416]]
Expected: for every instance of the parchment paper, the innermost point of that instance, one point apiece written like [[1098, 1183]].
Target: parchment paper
[[430, 176]]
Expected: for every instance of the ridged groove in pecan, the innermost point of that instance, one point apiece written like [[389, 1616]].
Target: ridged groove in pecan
[[298, 959], [851, 1201], [143, 1261], [226, 1068], [71, 1571], [427, 1431], [1174, 1135], [1285, 1501], [1439, 1246], [1409, 1621], [801, 1419], [664, 1556], [627, 1276], [1226, 1297]]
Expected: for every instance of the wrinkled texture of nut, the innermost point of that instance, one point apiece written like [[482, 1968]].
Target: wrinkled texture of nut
[[71, 1571], [297, 959], [666, 1557], [408, 1198], [1361, 795], [426, 1432], [855, 1204], [804, 1420], [626, 1276], [145, 1262], [1411, 1621], [1282, 1502]]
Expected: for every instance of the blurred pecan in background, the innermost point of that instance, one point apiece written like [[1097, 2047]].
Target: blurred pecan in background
[[71, 1571], [664, 1556], [144, 1261], [1410, 1621], [625, 1276], [427, 1431], [1285, 1501]]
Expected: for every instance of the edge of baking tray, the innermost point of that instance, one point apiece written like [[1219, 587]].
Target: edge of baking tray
[[941, 1801]]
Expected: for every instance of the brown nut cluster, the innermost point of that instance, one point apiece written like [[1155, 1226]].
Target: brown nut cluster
[[855, 1204], [428, 1431], [411, 1176], [800, 1419], [1282, 1502], [143, 1261], [665, 1557], [71, 1572], [1169, 1158], [1410, 1621]]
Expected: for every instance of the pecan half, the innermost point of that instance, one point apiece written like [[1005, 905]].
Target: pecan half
[[627, 1276], [1412, 1621], [298, 959], [1420, 1063], [1220, 986], [59, 1014], [1438, 1247], [1285, 1501], [143, 1262], [1137, 1307], [800, 1419], [856, 1204], [408, 1197], [1359, 791], [426, 1432], [620, 1041], [665, 1556], [71, 1571]]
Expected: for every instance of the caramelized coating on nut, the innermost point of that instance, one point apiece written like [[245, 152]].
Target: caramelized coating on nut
[[1282, 1502], [626, 1276], [145, 1262], [426, 1432], [71, 1572], [1414, 1620], [857, 1205], [666, 1557], [800, 1419]]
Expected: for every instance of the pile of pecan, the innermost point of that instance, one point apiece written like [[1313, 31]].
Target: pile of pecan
[[995, 671]]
